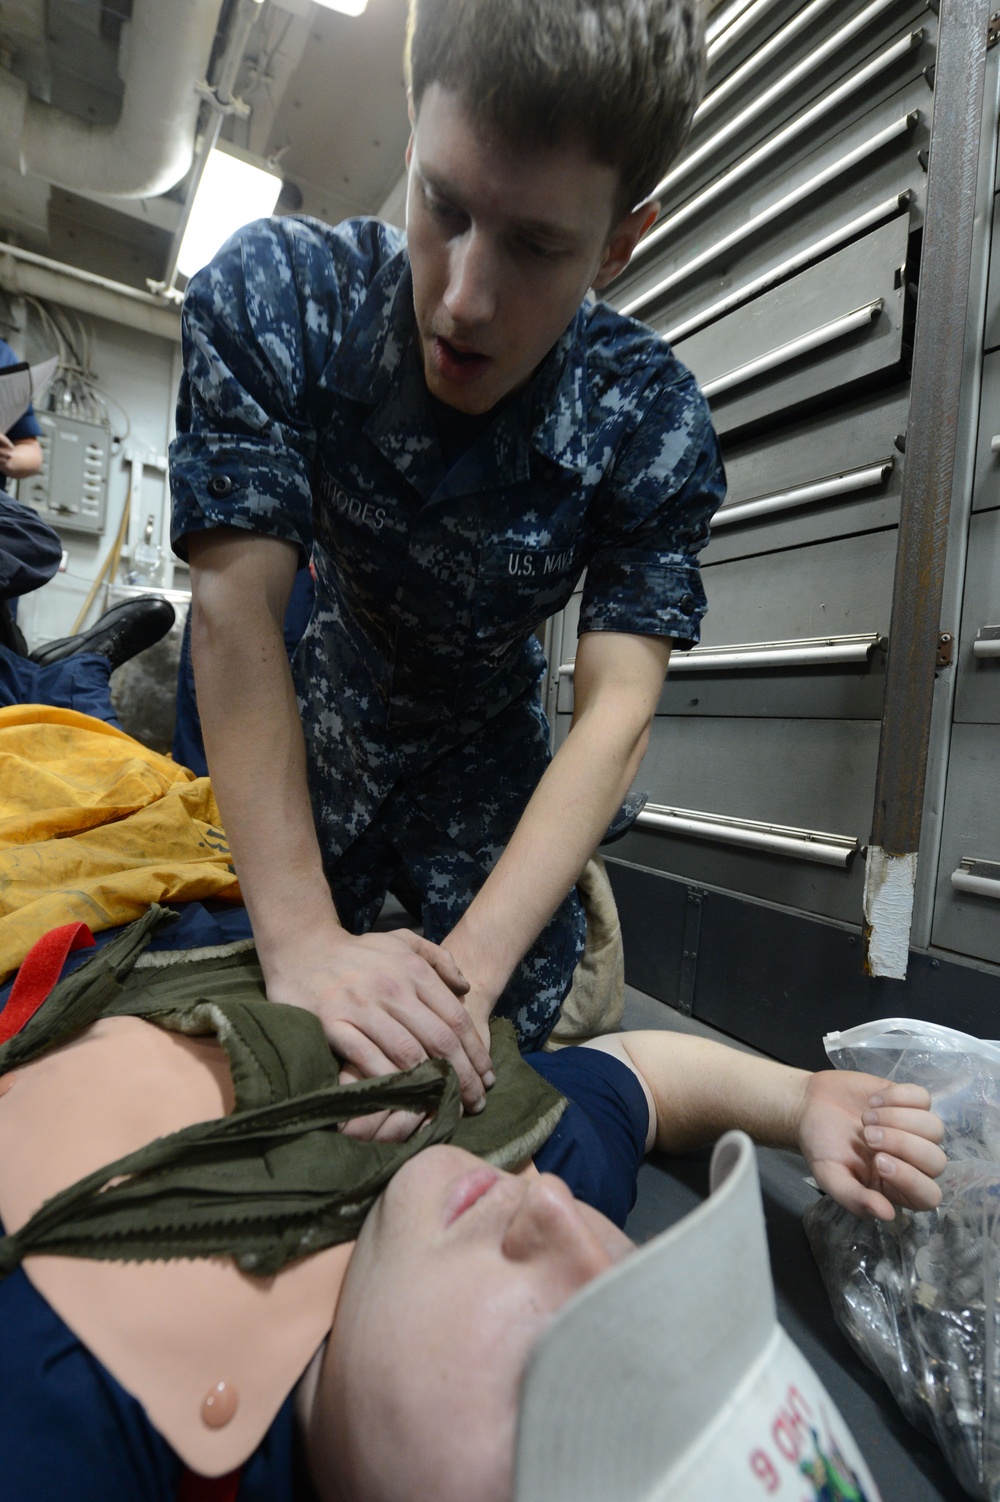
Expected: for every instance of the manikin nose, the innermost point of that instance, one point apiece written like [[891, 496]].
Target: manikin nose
[[471, 298], [548, 1224]]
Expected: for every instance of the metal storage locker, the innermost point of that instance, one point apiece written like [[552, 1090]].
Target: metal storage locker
[[811, 265]]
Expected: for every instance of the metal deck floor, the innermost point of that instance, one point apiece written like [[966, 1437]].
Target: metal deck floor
[[907, 1466]]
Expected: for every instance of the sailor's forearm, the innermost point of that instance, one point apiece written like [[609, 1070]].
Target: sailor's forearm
[[617, 686], [558, 832], [254, 743]]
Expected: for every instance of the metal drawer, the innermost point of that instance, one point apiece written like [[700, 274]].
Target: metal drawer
[[806, 776], [977, 696], [967, 909], [792, 634], [986, 494], [826, 329], [786, 217], [741, 37], [820, 48], [835, 472]]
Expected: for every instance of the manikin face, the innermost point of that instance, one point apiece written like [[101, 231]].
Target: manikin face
[[504, 246], [456, 1274]]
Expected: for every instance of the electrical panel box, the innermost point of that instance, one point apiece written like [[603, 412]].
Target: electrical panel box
[[71, 489]]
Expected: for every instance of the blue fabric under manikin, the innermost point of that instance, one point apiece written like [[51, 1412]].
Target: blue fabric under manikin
[[600, 1140], [70, 1433]]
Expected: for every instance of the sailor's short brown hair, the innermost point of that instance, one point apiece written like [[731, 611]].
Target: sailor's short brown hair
[[621, 76]]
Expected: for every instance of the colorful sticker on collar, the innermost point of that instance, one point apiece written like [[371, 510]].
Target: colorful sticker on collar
[[797, 1452]]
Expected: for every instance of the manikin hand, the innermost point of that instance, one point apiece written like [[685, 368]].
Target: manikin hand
[[387, 1001], [871, 1144]]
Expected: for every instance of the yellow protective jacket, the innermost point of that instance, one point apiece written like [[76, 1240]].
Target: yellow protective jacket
[[95, 827]]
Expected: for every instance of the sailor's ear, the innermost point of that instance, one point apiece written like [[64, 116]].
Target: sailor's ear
[[624, 238]]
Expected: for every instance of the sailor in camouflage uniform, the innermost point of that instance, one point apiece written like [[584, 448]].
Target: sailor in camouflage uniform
[[443, 526]]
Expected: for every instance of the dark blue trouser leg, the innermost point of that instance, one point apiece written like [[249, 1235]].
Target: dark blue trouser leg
[[79, 682]]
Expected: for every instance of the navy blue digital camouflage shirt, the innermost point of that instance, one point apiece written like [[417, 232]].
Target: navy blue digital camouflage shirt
[[304, 415]]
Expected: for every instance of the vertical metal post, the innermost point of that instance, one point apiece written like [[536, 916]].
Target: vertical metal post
[[222, 103], [927, 485]]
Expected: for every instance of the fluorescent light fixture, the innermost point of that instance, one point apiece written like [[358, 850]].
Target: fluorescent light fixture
[[231, 193], [347, 7]]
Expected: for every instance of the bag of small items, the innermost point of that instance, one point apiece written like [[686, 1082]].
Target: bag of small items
[[919, 1296]]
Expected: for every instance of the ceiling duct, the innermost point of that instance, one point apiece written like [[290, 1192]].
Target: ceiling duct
[[150, 149]]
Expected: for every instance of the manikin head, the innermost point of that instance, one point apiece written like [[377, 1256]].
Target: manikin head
[[540, 131], [450, 1373], [458, 1270]]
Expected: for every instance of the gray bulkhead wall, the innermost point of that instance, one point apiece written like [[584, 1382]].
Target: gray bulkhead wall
[[137, 375], [785, 269]]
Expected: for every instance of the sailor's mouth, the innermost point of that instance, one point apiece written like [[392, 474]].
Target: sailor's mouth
[[455, 363]]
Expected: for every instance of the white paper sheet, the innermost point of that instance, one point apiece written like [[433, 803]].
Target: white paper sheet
[[19, 386]]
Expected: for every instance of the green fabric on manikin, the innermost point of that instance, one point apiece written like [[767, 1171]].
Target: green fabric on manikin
[[276, 1179]]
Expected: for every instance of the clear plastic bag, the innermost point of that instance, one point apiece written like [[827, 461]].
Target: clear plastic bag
[[919, 1297]]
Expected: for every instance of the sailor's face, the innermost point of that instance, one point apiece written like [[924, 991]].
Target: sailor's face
[[504, 246], [456, 1274]]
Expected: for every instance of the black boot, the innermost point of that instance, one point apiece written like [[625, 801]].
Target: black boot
[[123, 631], [11, 636]]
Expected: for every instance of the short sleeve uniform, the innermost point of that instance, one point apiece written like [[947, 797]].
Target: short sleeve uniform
[[304, 415], [27, 426], [29, 549]]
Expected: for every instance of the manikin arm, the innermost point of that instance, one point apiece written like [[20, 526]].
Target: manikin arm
[[870, 1144]]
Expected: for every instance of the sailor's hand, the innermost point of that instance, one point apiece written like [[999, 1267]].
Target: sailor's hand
[[387, 1001], [871, 1144], [21, 459], [379, 1126]]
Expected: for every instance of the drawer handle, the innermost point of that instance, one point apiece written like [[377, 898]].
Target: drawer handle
[[982, 878], [987, 642], [805, 495], [995, 444], [779, 654], [785, 82], [799, 653], [815, 339], [773, 839], [757, 59], [839, 168], [721, 32], [815, 252], [722, 186]]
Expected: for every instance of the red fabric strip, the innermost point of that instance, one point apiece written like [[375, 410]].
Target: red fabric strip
[[194, 1488], [39, 971]]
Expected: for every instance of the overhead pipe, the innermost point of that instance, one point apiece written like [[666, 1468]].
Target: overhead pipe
[[150, 149], [25, 274]]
